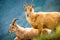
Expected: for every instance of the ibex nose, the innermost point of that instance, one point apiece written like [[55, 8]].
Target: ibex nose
[[28, 15]]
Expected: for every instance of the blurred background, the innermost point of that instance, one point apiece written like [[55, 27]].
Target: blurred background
[[10, 9]]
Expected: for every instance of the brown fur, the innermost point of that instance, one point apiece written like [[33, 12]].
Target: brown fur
[[40, 20]]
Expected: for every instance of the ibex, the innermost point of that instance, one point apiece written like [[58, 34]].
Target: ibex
[[40, 20], [22, 33]]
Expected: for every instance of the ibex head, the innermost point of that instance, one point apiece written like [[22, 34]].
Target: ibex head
[[28, 8], [12, 26]]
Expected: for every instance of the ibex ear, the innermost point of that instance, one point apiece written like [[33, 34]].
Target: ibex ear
[[24, 5]]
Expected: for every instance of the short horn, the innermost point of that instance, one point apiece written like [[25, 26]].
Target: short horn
[[13, 21], [31, 2], [25, 3]]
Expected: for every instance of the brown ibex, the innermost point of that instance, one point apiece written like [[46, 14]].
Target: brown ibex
[[40, 20], [22, 33]]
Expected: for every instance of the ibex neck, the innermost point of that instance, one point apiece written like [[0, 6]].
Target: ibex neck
[[19, 30]]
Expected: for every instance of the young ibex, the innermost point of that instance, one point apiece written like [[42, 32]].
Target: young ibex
[[22, 33], [40, 20]]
